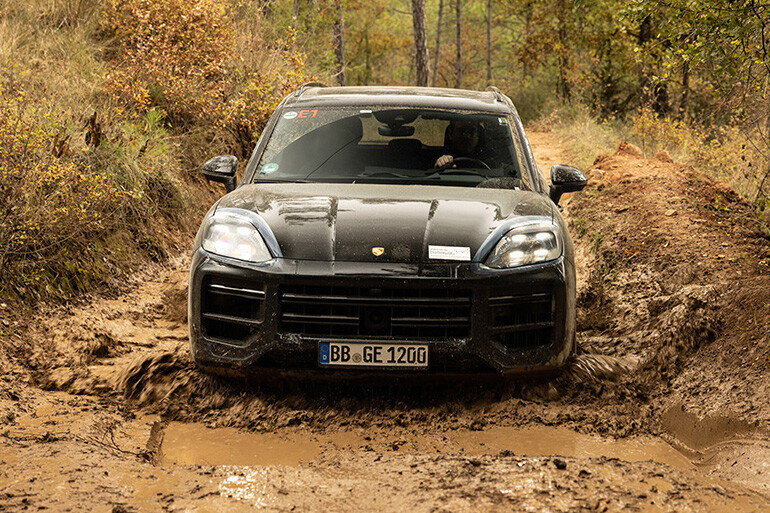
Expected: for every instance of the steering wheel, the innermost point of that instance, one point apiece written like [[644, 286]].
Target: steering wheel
[[470, 160]]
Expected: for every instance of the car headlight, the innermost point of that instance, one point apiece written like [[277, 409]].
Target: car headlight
[[531, 244], [234, 236]]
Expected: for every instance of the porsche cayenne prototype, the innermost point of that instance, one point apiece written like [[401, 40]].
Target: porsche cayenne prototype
[[386, 229]]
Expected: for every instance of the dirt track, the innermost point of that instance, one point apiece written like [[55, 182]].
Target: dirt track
[[665, 408]]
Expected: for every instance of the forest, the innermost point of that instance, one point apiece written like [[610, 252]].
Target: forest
[[108, 109]]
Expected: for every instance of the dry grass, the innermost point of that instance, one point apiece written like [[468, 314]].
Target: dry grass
[[728, 153], [100, 137]]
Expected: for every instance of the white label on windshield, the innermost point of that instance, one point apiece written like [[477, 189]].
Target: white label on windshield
[[502, 121], [449, 253], [290, 115]]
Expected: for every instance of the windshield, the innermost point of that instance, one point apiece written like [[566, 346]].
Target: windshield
[[393, 146]]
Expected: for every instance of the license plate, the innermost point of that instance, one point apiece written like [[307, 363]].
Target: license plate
[[354, 354]]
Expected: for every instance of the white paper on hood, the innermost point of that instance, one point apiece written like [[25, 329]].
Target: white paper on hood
[[459, 253]]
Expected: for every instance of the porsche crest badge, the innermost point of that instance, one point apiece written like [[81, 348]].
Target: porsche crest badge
[[378, 251]]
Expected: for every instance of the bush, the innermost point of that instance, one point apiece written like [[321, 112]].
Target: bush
[[105, 112], [170, 55], [71, 213], [208, 70], [52, 201], [725, 152]]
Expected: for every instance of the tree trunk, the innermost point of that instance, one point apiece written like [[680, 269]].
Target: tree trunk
[[489, 42], [295, 9], [338, 41], [652, 94], [526, 70], [367, 57], [564, 87], [685, 90], [438, 42], [459, 44], [422, 59]]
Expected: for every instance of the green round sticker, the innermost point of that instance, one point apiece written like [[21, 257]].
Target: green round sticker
[[269, 168]]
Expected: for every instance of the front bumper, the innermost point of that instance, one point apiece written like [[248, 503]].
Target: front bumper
[[474, 319]]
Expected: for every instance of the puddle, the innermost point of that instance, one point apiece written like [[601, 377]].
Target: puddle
[[195, 444], [721, 446], [556, 441], [265, 470], [697, 433]]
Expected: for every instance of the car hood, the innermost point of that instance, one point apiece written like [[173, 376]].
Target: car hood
[[347, 222]]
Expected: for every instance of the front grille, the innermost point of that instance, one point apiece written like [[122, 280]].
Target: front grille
[[231, 311], [521, 320], [409, 313]]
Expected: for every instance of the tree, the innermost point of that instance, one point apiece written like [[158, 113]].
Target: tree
[[725, 43], [438, 41], [459, 44], [562, 50], [422, 60], [489, 42], [338, 41]]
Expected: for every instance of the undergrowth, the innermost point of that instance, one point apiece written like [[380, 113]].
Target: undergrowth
[[729, 153], [107, 109]]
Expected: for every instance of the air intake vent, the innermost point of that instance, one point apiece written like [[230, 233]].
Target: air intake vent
[[522, 320], [230, 311], [410, 313]]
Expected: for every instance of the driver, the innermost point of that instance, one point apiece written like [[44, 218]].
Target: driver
[[463, 139]]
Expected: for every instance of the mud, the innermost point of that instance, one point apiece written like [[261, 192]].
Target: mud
[[664, 408], [195, 444]]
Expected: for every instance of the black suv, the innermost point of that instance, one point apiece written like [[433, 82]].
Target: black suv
[[394, 229]]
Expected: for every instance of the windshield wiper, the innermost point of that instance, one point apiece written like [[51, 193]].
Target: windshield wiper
[[279, 180], [438, 173]]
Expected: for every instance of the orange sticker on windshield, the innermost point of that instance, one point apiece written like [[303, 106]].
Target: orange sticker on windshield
[[304, 114]]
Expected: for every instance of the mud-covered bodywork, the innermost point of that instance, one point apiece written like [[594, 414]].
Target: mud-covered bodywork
[[393, 260]]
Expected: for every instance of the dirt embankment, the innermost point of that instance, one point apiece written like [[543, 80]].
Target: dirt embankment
[[674, 311], [679, 281]]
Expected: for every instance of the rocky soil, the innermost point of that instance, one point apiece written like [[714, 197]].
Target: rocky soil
[[665, 407]]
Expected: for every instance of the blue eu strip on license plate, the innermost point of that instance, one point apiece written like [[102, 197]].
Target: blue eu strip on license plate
[[355, 354]]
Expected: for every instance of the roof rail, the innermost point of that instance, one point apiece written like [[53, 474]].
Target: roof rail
[[498, 95], [304, 86]]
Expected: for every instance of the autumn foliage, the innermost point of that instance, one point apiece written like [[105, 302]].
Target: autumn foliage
[[184, 58], [54, 203], [169, 54], [106, 113]]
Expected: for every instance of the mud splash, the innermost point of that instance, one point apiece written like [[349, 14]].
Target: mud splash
[[597, 367]]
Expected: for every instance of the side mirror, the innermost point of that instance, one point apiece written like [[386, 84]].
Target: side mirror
[[222, 169], [565, 179]]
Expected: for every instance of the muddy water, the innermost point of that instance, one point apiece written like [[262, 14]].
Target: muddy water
[[696, 433], [321, 470], [194, 444]]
